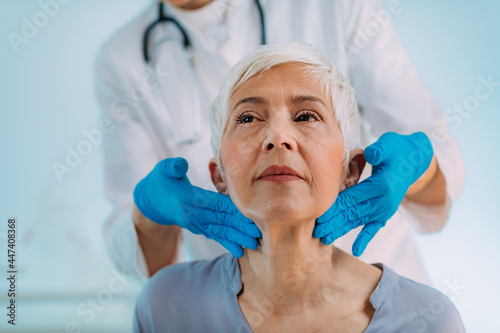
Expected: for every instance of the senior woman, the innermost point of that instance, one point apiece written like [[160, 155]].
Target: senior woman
[[285, 128]]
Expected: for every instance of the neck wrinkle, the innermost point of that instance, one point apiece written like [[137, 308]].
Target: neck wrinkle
[[290, 269]]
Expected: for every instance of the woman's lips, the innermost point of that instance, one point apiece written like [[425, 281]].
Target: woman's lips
[[276, 173], [279, 178]]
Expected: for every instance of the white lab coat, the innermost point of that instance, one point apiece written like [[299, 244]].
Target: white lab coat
[[389, 92]]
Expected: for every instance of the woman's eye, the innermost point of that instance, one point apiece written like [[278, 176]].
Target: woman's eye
[[244, 118], [306, 116]]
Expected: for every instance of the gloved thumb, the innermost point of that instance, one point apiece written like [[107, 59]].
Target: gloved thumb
[[376, 153], [173, 167]]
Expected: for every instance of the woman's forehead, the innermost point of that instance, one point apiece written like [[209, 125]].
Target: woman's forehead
[[293, 83]]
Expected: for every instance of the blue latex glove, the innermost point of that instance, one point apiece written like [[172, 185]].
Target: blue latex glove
[[166, 196], [398, 161]]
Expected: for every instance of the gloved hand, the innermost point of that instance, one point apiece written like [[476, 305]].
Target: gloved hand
[[166, 196], [398, 161]]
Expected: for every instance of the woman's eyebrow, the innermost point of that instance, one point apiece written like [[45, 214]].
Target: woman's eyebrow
[[304, 98], [250, 100]]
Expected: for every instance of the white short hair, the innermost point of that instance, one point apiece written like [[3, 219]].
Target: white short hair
[[267, 57]]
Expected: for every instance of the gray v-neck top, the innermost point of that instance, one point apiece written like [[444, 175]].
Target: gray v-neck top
[[201, 296]]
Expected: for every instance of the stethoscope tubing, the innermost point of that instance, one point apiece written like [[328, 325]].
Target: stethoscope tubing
[[162, 17], [159, 97]]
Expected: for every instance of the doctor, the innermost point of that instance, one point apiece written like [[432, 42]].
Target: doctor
[[159, 97]]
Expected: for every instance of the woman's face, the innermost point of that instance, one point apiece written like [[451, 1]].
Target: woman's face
[[284, 119]]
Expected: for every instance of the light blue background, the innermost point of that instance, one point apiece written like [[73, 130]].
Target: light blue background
[[47, 99]]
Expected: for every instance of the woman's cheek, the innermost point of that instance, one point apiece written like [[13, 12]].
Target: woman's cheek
[[330, 173], [234, 176]]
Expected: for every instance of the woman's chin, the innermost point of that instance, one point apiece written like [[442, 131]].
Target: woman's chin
[[280, 211]]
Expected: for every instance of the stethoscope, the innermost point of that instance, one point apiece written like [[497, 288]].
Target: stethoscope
[[149, 50]]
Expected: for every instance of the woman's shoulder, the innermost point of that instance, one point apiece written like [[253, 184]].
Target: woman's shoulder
[[189, 277], [401, 303], [187, 283], [185, 297]]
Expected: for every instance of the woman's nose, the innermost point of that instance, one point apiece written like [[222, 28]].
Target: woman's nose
[[279, 136]]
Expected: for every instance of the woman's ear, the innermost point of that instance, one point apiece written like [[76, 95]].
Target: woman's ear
[[216, 176], [356, 165]]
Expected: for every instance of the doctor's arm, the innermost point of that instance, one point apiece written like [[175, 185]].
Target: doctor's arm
[[158, 242], [137, 246], [430, 188], [392, 98]]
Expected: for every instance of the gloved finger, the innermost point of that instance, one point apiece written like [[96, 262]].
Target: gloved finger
[[351, 197], [339, 232], [327, 240], [328, 236], [338, 228], [377, 152], [352, 217], [423, 150], [200, 216], [173, 167], [239, 222], [214, 201], [323, 229], [235, 236], [365, 236], [235, 249], [421, 140]]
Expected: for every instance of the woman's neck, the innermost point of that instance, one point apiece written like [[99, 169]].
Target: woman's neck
[[291, 269]]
